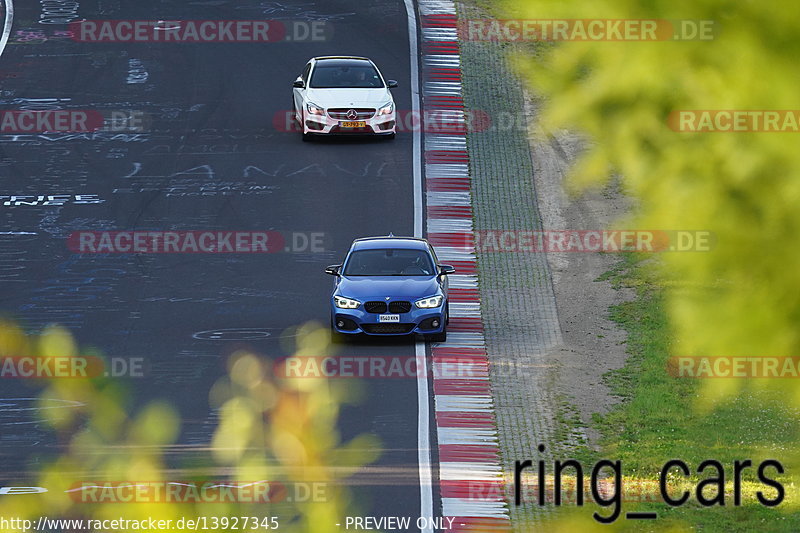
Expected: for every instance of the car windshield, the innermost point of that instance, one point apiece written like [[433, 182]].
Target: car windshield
[[345, 76], [389, 262]]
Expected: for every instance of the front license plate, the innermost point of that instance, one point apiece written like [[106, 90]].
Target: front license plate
[[359, 124], [388, 318]]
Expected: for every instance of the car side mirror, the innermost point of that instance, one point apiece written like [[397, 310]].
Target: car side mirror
[[298, 83], [391, 84], [333, 270], [447, 269]]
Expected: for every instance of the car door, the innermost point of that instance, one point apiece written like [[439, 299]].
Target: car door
[[299, 94]]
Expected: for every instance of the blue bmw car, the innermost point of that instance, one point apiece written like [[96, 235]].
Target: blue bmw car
[[390, 286]]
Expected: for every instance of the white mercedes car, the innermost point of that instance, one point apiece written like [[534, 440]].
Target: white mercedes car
[[343, 95]]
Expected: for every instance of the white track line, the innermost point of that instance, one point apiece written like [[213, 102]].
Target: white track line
[[7, 26], [423, 412]]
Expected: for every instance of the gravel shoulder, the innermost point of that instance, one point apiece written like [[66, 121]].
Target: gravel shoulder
[[592, 343]]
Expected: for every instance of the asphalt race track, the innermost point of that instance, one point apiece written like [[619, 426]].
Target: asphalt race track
[[213, 156]]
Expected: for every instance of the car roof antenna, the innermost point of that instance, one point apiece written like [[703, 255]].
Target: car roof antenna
[[391, 234]]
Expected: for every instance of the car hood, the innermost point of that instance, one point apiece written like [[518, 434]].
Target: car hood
[[379, 287], [349, 97]]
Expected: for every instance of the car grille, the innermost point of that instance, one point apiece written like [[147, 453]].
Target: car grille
[[400, 307], [341, 113], [389, 329], [375, 307]]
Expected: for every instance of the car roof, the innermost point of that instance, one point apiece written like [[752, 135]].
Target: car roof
[[359, 58], [337, 61], [373, 243]]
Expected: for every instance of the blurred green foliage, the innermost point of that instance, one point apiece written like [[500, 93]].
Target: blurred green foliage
[[280, 432], [741, 298]]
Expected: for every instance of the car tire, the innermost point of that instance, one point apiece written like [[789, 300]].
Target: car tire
[[306, 137]]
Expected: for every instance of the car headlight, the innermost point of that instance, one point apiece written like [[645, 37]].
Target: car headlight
[[314, 109], [386, 109], [346, 303], [429, 303]]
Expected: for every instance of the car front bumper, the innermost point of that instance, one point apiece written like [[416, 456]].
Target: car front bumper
[[325, 125], [355, 321]]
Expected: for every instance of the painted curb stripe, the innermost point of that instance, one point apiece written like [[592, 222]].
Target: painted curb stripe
[[445, 102], [454, 239], [473, 489], [465, 324], [461, 386], [476, 508], [467, 453], [464, 295], [464, 420], [440, 211], [471, 478], [446, 156], [466, 436], [447, 184], [440, 47]]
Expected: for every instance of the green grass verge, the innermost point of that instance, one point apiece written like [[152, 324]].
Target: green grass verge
[[658, 419]]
